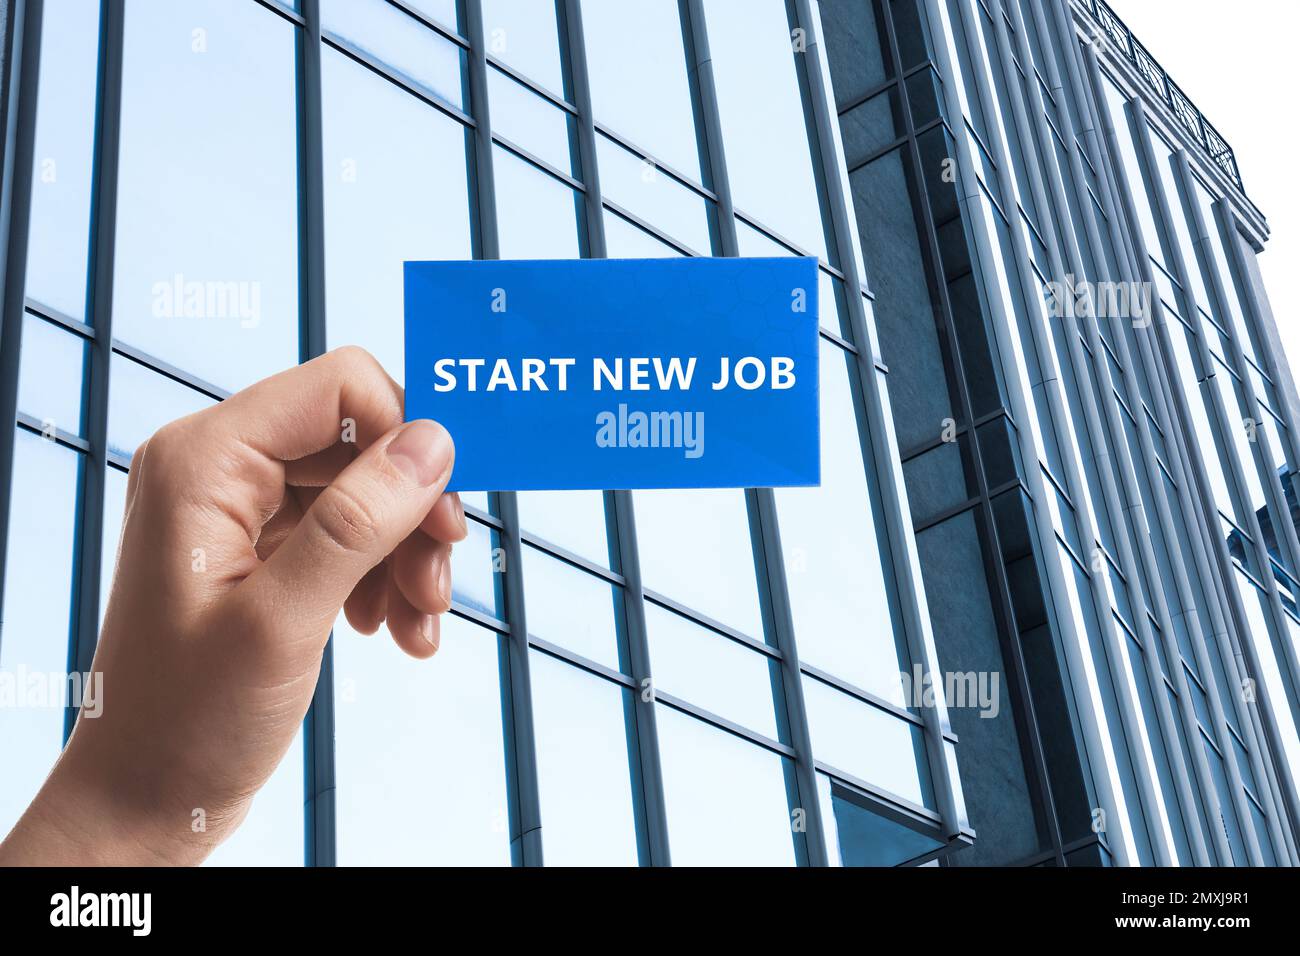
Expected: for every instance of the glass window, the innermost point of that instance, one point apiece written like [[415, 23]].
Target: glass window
[[574, 520], [401, 728], [207, 217], [844, 615], [859, 834], [141, 401], [652, 195], [38, 592], [583, 725], [273, 832], [418, 54], [523, 33], [51, 375], [536, 213], [726, 798], [757, 80], [695, 548], [395, 189], [710, 671], [873, 745], [530, 122], [476, 565], [570, 607], [624, 240], [637, 64], [58, 239]]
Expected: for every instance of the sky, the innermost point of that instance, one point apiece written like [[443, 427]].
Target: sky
[[1240, 64]]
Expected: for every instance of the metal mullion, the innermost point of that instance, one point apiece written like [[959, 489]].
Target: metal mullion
[[1119, 197], [23, 42], [726, 725], [57, 435], [1003, 607], [559, 102], [538, 163], [320, 781], [673, 173], [1001, 314], [55, 317], [573, 560], [703, 620], [90, 542], [868, 698], [526, 835], [760, 502], [446, 32], [595, 668], [1164, 615], [1105, 434], [1098, 587], [650, 228], [167, 370], [1196, 463], [619, 507]]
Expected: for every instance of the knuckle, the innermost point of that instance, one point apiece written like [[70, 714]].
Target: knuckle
[[347, 519]]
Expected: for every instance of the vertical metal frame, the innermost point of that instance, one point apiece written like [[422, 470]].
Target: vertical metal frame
[[618, 504], [1099, 137], [1156, 596], [526, 814], [1095, 738], [320, 803], [1044, 174], [21, 86]]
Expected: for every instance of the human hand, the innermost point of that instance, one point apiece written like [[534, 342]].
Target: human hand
[[248, 526]]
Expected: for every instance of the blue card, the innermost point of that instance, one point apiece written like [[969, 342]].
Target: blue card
[[618, 373]]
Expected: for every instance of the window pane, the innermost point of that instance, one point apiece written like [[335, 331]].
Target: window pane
[[207, 229], [51, 374], [758, 92], [530, 122], [570, 607], [872, 745], [574, 520], [726, 798], [475, 566], [695, 548], [418, 54], [583, 725], [395, 190], [844, 614], [623, 240], [859, 835], [523, 34], [536, 213], [38, 594], [711, 671], [273, 832], [59, 236], [141, 401], [637, 64], [401, 727], [652, 195]]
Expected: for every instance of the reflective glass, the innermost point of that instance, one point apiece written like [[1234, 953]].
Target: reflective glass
[[867, 742], [710, 671], [652, 195], [530, 122], [59, 235], [418, 54], [206, 265], [695, 548], [570, 607], [536, 213], [637, 64], [844, 616], [726, 798], [420, 754], [754, 69], [623, 240], [574, 520], [395, 189], [141, 401], [523, 33], [51, 374], [584, 772], [38, 591]]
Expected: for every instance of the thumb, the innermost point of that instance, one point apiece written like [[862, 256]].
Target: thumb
[[353, 524]]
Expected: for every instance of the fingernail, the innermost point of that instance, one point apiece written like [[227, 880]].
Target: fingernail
[[421, 451], [426, 630], [460, 513], [444, 580]]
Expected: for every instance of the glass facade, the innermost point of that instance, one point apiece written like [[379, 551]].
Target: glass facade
[[1093, 511]]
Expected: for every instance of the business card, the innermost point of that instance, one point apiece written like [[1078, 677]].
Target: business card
[[618, 373]]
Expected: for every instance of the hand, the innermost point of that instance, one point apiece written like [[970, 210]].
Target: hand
[[248, 526]]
